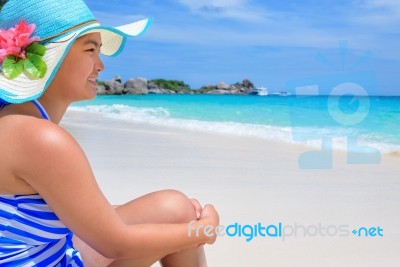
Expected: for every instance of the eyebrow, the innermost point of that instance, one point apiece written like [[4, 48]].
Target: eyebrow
[[90, 41]]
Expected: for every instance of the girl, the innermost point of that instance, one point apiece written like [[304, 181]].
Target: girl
[[52, 212]]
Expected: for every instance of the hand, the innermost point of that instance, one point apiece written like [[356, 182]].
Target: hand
[[197, 207], [209, 216]]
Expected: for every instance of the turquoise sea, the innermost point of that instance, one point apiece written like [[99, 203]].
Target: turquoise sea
[[311, 120]]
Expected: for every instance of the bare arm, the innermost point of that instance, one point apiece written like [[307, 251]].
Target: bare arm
[[51, 161]]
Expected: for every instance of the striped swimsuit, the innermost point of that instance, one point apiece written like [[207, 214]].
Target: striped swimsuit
[[31, 234]]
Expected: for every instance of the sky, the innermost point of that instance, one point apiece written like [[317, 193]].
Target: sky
[[281, 45]]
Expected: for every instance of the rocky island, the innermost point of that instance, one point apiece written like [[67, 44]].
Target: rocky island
[[143, 86]]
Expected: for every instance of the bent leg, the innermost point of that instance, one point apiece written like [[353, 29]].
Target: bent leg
[[167, 206]]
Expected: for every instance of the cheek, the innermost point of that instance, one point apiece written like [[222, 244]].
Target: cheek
[[72, 77], [77, 66], [79, 72], [81, 66], [76, 77]]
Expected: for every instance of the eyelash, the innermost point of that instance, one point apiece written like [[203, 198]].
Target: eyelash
[[93, 50]]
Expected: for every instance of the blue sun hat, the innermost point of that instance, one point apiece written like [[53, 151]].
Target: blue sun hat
[[36, 35]]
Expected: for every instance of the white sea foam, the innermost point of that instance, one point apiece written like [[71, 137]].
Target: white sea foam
[[308, 136]]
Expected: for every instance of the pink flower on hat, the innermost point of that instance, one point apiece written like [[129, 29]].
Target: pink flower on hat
[[14, 40], [20, 52]]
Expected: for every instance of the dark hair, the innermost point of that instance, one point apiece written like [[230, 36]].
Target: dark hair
[[3, 103], [2, 3]]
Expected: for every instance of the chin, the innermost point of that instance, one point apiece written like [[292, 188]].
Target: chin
[[90, 93], [88, 96]]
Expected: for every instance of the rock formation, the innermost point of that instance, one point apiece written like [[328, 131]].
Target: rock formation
[[142, 86]]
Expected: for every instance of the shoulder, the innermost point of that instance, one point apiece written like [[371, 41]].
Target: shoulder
[[27, 131], [31, 140]]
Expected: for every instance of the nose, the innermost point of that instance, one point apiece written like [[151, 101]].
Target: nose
[[99, 64]]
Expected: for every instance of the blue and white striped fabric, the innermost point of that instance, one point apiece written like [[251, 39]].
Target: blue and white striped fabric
[[32, 235]]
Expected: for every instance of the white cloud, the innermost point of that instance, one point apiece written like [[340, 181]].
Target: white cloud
[[263, 27], [198, 5], [263, 35], [390, 4], [234, 9], [378, 13], [114, 19]]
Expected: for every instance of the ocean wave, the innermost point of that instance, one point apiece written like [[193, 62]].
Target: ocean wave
[[309, 136]]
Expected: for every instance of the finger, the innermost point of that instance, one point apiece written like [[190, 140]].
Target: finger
[[197, 207], [209, 206]]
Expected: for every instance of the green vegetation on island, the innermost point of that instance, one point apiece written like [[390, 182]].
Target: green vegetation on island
[[173, 85]]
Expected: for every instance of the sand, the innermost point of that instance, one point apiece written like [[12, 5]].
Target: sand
[[253, 181]]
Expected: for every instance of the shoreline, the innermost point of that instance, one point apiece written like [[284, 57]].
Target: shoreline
[[249, 181], [277, 134]]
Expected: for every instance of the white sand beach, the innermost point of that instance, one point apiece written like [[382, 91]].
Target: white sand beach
[[253, 181]]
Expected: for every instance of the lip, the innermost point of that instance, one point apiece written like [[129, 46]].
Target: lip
[[93, 81]]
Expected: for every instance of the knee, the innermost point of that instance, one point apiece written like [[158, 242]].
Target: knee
[[177, 206]]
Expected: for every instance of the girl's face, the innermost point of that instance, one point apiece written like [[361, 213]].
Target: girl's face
[[76, 78]]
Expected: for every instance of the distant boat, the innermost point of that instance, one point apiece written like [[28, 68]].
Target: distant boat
[[282, 94], [261, 91]]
